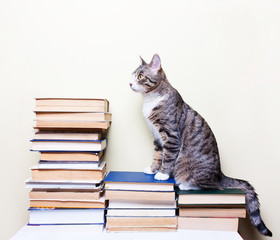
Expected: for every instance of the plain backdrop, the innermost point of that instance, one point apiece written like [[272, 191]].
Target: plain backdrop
[[222, 56]]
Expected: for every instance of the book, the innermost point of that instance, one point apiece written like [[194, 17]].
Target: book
[[208, 224], [118, 180], [211, 197], [140, 195], [141, 204], [149, 212], [95, 185], [40, 216], [98, 174], [68, 165], [67, 203], [60, 135], [73, 125], [67, 145], [171, 228], [141, 221], [213, 212], [72, 156], [71, 105], [73, 116], [65, 195]]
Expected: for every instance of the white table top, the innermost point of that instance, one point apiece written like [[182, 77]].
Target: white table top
[[53, 233]]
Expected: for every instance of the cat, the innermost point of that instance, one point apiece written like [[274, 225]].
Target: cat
[[184, 145]]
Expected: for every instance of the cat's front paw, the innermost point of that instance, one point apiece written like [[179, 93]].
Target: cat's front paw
[[148, 170], [161, 176]]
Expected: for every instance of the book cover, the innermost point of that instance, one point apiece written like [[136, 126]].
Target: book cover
[[135, 177]]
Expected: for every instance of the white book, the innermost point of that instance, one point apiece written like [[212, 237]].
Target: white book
[[141, 212], [40, 216], [51, 165], [138, 186], [70, 145], [66, 166], [142, 204]]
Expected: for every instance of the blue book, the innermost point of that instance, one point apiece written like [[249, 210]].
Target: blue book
[[136, 181]]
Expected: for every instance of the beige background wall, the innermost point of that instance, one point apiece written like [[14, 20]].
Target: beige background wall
[[222, 56]]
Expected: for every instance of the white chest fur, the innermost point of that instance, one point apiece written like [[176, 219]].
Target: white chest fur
[[150, 102]]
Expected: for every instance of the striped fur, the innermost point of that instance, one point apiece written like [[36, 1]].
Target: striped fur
[[184, 145]]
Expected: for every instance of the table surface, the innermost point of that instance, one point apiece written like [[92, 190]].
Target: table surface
[[57, 233]]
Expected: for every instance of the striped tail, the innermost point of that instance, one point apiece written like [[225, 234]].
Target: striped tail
[[252, 202]]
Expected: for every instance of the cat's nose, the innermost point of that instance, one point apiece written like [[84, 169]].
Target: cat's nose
[[130, 84]]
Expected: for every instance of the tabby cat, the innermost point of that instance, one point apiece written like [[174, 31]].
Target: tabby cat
[[184, 145]]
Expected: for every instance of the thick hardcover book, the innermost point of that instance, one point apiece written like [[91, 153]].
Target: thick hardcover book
[[150, 212], [43, 216], [90, 185], [140, 195], [69, 165], [49, 145], [68, 135], [141, 221], [39, 174], [211, 197], [58, 200], [97, 126], [74, 116], [137, 181], [71, 105], [72, 156]]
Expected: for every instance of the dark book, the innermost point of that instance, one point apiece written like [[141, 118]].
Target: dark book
[[211, 197], [136, 181]]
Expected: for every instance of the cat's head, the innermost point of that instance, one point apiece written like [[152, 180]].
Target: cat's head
[[147, 77]]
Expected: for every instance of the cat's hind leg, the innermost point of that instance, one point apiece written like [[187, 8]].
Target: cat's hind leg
[[188, 186]]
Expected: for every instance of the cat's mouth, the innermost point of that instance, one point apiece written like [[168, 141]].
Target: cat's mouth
[[131, 86]]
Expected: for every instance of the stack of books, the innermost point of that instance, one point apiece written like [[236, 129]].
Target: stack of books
[[138, 202], [67, 184], [217, 210]]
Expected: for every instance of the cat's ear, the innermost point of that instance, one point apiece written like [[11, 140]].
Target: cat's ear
[[155, 64], [142, 61]]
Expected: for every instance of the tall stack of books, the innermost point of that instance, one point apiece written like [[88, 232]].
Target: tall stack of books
[[217, 210], [67, 184], [138, 202]]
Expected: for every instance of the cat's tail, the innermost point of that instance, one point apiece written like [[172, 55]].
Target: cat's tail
[[252, 202]]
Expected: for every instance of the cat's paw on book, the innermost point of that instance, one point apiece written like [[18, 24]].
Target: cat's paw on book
[[148, 170], [161, 176]]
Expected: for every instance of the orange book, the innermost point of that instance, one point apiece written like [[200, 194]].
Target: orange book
[[208, 224], [71, 156], [73, 116], [39, 174], [100, 203], [71, 105], [142, 229], [141, 221], [64, 195]]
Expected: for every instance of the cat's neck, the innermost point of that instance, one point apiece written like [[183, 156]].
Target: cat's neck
[[151, 100]]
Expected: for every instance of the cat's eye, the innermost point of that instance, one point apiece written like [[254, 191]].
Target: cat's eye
[[140, 77]]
